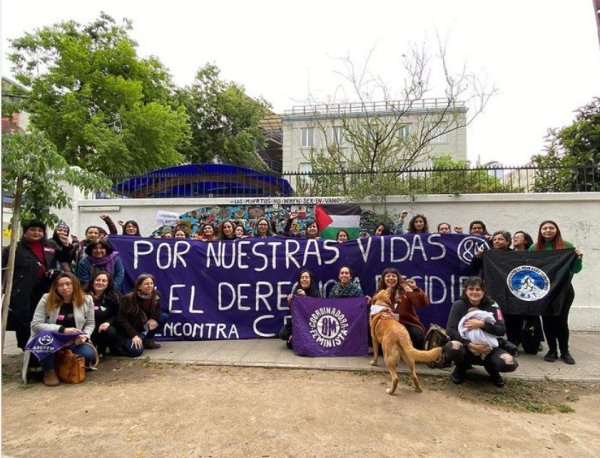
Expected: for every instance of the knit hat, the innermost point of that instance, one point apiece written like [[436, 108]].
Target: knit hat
[[34, 223], [63, 226]]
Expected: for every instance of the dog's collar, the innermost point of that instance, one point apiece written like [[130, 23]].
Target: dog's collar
[[376, 308]]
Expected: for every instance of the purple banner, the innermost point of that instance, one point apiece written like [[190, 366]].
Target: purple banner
[[238, 289], [330, 327], [45, 343]]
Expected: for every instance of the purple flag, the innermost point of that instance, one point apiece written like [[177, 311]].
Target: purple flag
[[330, 327], [45, 343]]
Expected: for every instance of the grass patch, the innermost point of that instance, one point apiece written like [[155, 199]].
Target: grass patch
[[543, 397], [565, 408]]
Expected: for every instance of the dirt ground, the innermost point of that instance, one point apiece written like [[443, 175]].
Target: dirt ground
[[141, 409]]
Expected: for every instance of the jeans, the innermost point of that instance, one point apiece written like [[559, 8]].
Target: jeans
[[126, 346], [81, 350]]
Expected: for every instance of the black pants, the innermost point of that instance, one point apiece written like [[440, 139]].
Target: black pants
[[20, 315], [106, 339], [525, 330], [416, 336], [493, 363], [556, 328]]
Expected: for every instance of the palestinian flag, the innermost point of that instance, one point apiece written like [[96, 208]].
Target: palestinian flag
[[331, 218]]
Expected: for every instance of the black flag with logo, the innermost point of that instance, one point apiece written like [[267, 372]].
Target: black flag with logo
[[529, 282]]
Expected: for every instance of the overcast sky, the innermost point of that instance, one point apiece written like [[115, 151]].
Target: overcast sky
[[542, 55]]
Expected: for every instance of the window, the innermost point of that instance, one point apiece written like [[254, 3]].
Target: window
[[403, 131], [337, 135], [308, 136], [439, 133], [304, 167]]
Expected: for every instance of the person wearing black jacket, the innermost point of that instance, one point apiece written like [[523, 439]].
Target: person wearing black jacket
[[305, 286], [464, 353], [36, 260], [139, 318], [106, 306]]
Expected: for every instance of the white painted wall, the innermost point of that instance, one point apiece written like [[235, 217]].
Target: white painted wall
[[577, 214]]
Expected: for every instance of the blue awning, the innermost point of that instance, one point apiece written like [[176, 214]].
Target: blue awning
[[204, 180]]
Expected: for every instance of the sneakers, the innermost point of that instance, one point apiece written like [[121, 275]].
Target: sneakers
[[551, 356], [567, 358], [50, 378], [458, 375], [151, 345]]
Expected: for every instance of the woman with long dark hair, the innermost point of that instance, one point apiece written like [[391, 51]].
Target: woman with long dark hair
[[139, 318], [227, 231], [106, 306], [556, 328], [65, 309], [305, 286], [521, 241], [345, 287], [465, 353], [418, 225]]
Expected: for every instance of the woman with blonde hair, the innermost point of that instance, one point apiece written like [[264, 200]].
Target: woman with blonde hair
[[65, 309]]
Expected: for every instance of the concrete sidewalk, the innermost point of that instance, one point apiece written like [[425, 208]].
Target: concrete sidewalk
[[273, 353]]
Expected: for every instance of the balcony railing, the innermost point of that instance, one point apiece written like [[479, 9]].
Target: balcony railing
[[527, 179], [377, 107]]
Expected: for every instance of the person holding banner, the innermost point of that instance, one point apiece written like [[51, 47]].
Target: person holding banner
[[263, 228], [381, 229], [462, 351], [180, 234], [342, 236], [227, 231], [240, 232], [207, 233], [312, 230], [406, 296], [131, 228], [305, 286], [65, 309], [139, 318], [556, 328], [418, 225], [345, 287], [521, 241]]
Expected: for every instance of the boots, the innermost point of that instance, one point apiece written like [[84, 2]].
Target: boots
[[50, 378]]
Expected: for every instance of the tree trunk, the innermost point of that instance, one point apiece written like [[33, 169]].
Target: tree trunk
[[12, 250]]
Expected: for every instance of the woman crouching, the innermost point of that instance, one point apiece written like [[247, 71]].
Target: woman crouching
[[139, 318], [466, 351], [66, 309]]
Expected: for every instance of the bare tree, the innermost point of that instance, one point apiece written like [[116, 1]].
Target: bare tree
[[380, 132]]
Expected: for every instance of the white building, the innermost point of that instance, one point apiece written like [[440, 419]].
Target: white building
[[316, 127]]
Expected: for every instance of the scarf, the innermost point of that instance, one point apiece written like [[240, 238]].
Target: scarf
[[106, 262]]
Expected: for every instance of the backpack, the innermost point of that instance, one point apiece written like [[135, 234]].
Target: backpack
[[531, 335], [437, 337]]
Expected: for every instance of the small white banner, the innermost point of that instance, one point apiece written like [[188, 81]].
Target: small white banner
[[165, 218]]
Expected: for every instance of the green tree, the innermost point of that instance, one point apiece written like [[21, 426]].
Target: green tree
[[32, 171], [224, 121], [571, 161], [103, 107]]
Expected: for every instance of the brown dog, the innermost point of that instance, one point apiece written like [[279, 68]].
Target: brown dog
[[396, 343]]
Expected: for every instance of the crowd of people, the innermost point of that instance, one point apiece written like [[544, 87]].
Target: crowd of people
[[74, 286]]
